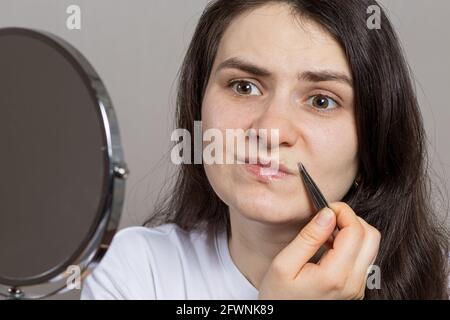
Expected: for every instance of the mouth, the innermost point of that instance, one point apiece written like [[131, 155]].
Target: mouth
[[266, 170]]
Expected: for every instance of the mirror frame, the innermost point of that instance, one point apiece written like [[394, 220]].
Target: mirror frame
[[94, 246]]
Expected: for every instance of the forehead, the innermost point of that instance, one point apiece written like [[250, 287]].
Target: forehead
[[283, 42]]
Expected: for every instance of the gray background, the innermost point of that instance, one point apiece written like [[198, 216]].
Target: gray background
[[137, 46]]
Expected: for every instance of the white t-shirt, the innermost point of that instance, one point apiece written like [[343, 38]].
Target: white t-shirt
[[166, 262]]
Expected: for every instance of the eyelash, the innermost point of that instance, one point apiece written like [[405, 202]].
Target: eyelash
[[338, 105], [231, 83]]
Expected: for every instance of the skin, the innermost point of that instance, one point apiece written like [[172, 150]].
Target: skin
[[271, 241]]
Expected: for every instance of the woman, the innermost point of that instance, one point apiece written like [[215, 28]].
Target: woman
[[341, 98]]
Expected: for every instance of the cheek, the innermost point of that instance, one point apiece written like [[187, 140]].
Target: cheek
[[334, 151], [220, 112], [333, 140], [220, 179], [216, 113], [337, 145]]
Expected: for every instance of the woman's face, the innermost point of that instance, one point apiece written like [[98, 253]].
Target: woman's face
[[273, 72]]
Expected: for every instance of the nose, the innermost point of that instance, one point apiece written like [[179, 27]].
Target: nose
[[276, 115]]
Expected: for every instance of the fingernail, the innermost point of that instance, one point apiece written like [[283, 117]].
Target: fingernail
[[324, 217]]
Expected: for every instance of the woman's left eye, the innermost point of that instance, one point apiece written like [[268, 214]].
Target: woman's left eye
[[245, 88], [323, 102]]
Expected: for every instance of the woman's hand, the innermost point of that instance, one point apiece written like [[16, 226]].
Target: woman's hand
[[342, 271]]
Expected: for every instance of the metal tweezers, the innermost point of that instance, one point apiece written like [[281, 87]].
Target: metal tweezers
[[317, 197]]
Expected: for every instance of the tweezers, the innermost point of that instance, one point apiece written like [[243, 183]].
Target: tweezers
[[317, 197]]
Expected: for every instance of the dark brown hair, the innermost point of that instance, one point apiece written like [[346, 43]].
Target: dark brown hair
[[394, 193]]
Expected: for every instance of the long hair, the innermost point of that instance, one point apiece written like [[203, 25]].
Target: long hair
[[394, 192]]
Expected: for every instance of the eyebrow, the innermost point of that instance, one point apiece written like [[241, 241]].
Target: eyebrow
[[311, 76]]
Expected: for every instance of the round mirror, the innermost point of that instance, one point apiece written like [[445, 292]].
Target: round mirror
[[62, 167]]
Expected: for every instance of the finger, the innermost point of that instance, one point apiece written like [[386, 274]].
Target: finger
[[323, 256], [342, 257], [330, 241], [296, 254]]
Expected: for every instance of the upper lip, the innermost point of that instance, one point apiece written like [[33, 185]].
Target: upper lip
[[267, 163]]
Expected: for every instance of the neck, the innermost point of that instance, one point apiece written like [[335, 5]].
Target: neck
[[253, 244]]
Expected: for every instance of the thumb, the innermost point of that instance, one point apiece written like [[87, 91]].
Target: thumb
[[297, 253]]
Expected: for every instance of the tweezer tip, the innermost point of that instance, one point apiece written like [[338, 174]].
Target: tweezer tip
[[301, 167]]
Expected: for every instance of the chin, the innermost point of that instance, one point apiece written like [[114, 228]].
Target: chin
[[273, 211]]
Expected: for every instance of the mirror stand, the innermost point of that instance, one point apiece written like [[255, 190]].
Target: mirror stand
[[14, 293]]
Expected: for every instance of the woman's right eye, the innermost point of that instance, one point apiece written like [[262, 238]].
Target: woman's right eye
[[245, 88]]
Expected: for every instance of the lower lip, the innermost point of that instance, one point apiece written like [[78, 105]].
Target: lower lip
[[264, 174]]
